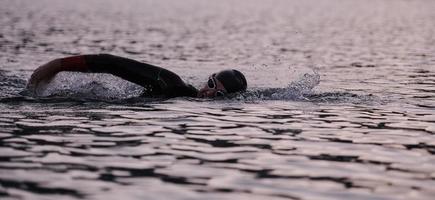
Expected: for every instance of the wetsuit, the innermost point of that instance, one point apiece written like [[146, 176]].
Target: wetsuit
[[158, 82]]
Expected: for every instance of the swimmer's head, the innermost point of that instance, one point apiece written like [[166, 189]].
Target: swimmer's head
[[222, 83]]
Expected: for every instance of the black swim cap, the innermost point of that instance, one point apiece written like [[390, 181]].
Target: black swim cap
[[233, 80]]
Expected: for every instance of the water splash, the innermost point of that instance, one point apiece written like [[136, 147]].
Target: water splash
[[89, 86], [296, 90], [303, 90]]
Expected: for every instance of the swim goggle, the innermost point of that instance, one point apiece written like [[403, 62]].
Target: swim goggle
[[211, 83]]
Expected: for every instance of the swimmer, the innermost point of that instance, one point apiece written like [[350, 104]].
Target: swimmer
[[157, 82]]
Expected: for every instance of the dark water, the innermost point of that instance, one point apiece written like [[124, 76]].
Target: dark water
[[341, 101]]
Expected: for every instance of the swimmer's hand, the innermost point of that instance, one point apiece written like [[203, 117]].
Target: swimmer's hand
[[43, 75]]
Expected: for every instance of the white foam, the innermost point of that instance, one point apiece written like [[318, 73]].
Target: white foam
[[94, 86]]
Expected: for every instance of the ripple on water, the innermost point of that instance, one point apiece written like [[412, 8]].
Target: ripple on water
[[328, 114]]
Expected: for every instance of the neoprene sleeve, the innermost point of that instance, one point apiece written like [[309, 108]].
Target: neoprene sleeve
[[156, 80]]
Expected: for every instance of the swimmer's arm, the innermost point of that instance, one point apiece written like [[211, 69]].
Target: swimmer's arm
[[46, 72], [159, 80], [143, 74], [131, 70]]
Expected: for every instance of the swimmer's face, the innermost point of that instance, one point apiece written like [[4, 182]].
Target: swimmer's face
[[212, 88]]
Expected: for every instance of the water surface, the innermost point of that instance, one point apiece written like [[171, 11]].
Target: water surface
[[340, 105]]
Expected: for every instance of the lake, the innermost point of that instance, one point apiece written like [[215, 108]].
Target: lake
[[340, 101]]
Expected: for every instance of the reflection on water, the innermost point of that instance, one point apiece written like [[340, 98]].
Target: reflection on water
[[185, 150], [340, 105]]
